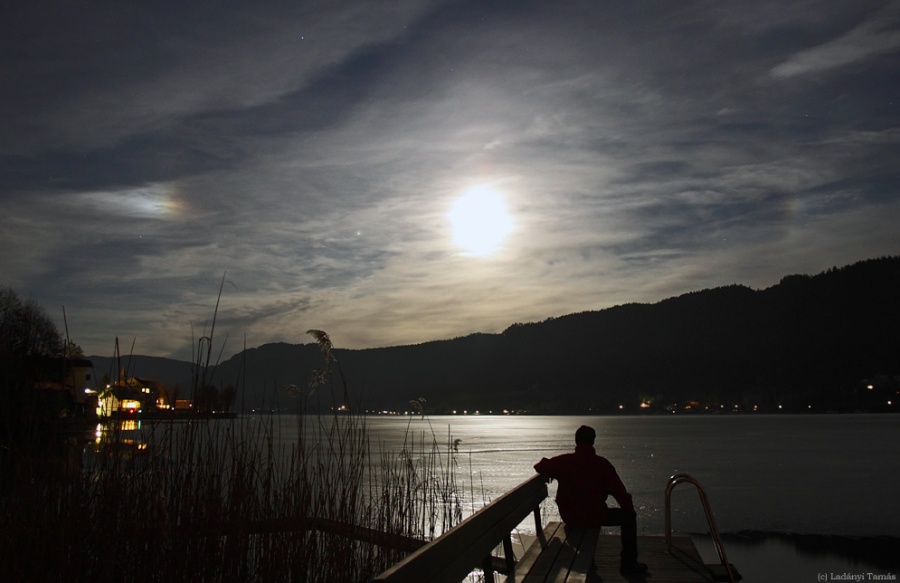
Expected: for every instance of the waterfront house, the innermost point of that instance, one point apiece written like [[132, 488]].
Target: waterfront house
[[63, 385], [132, 395]]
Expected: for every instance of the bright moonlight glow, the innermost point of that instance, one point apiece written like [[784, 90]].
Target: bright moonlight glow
[[480, 220]]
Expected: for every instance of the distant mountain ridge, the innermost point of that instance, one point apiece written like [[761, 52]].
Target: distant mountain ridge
[[807, 340]]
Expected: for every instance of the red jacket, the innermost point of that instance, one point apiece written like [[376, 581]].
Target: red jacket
[[585, 480]]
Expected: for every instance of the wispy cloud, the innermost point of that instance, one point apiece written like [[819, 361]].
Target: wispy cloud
[[878, 35], [313, 152]]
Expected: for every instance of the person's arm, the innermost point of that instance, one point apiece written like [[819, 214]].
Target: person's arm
[[547, 468]]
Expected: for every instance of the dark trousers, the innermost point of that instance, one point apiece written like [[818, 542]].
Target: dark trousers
[[628, 522]]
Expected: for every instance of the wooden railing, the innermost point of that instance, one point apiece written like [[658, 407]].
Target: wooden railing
[[468, 545]]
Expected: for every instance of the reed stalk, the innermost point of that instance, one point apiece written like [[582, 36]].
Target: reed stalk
[[221, 500]]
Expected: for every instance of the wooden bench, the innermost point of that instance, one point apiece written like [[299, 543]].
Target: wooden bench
[[559, 553]]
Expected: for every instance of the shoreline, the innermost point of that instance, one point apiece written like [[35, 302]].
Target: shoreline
[[881, 551]]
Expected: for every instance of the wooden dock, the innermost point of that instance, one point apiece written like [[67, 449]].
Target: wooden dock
[[486, 539], [683, 565]]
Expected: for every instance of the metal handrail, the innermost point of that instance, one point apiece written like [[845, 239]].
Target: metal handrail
[[717, 540]]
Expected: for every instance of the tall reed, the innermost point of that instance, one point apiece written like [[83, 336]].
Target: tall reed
[[221, 500]]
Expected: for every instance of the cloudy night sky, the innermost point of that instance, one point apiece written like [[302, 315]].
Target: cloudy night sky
[[333, 159]]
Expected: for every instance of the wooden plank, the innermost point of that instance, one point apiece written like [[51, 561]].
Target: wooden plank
[[451, 556], [479, 544], [568, 560], [684, 565], [584, 561], [544, 564], [562, 566], [532, 553]]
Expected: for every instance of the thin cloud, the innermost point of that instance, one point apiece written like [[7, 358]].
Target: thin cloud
[[879, 35], [164, 70], [313, 155]]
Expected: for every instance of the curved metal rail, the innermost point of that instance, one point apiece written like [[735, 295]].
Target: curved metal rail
[[714, 532]]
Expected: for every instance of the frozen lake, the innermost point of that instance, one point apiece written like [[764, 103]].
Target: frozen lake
[[798, 497], [821, 474], [770, 479]]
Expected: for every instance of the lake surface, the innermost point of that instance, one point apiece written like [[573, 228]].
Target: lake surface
[[769, 478], [821, 474], [773, 480]]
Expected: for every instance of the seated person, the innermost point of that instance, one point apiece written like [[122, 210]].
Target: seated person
[[585, 480]]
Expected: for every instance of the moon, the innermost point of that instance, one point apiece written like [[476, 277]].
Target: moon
[[480, 220]]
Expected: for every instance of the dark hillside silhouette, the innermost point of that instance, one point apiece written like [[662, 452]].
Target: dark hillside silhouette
[[809, 341]]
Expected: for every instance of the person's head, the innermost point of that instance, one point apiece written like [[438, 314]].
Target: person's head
[[585, 435]]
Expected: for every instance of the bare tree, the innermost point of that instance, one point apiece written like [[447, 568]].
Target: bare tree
[[25, 328]]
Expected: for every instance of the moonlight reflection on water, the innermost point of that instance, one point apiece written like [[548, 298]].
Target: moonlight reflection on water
[[772, 480], [822, 474]]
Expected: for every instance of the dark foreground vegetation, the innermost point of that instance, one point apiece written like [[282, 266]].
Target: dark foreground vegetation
[[216, 500]]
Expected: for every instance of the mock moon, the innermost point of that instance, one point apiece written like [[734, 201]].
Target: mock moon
[[480, 220]]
